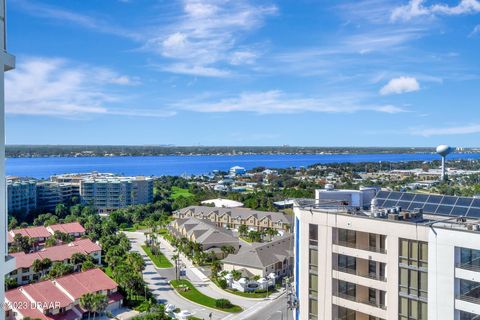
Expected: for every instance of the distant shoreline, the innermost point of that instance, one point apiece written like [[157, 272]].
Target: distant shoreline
[[55, 151]]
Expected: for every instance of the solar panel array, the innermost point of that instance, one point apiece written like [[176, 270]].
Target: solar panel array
[[430, 203]]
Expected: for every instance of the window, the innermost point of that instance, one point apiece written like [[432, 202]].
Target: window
[[413, 253], [410, 309], [313, 283], [470, 257], [347, 236], [346, 289], [468, 316], [372, 240], [313, 259], [345, 314], [470, 289], [372, 268], [372, 295], [313, 309], [347, 262], [313, 234]]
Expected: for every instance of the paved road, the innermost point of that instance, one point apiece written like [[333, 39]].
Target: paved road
[[157, 281]]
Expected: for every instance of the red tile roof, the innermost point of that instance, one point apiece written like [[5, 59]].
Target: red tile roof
[[55, 293], [56, 253], [46, 293], [72, 227], [77, 284], [32, 232], [15, 299]]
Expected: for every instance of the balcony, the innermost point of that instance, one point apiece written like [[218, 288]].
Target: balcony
[[364, 301], [470, 266], [355, 245], [367, 275], [467, 303]]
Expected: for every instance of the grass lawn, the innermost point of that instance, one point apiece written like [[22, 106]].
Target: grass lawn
[[258, 295], [136, 227], [160, 260], [179, 192], [194, 295]]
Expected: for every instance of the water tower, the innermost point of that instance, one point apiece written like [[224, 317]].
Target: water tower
[[444, 150]]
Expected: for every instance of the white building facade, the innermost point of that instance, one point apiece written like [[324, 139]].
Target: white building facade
[[8, 63], [355, 264]]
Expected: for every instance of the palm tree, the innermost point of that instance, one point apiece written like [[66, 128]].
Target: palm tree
[[243, 230], [236, 274], [100, 303], [216, 268], [87, 302], [135, 261]]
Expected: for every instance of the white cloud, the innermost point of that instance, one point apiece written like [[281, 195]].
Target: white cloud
[[476, 30], [416, 8], [57, 87], [400, 85], [278, 102], [208, 33], [51, 12], [445, 131], [195, 70]]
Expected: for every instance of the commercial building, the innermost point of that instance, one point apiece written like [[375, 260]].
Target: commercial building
[[410, 256], [59, 299], [21, 195], [108, 193], [24, 272], [235, 217], [263, 259], [7, 62]]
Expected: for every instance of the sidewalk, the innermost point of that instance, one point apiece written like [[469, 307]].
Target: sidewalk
[[207, 287]]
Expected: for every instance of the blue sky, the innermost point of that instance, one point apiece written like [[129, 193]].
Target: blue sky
[[244, 72]]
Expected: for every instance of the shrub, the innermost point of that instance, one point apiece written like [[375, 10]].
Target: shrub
[[222, 283], [223, 303]]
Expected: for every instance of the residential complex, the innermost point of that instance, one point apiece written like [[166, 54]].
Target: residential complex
[[409, 256], [25, 273], [105, 191], [7, 61], [211, 237], [235, 217], [263, 259], [21, 195], [40, 234], [60, 298]]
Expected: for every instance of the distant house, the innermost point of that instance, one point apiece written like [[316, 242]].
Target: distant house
[[59, 299], [24, 272], [205, 233], [237, 170], [73, 228], [235, 217], [262, 260]]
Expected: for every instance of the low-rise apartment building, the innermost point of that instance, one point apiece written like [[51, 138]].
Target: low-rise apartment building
[[410, 256], [205, 233], [40, 234], [24, 272], [263, 259], [59, 299], [235, 217]]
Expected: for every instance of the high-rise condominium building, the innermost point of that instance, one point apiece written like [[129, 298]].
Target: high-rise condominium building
[[107, 193], [410, 256], [7, 63], [21, 195]]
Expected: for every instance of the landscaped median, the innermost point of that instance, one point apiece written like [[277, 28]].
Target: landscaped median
[[159, 260], [188, 291]]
